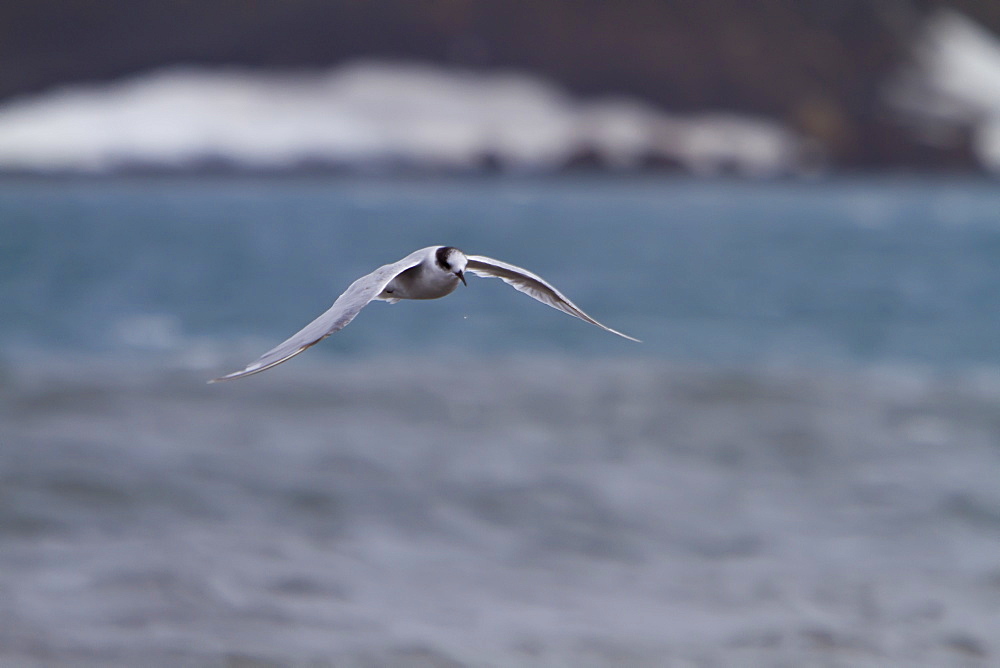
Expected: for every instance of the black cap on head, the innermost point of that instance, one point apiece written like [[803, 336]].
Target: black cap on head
[[442, 256]]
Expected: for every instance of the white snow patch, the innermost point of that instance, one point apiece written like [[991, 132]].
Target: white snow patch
[[955, 81], [366, 112]]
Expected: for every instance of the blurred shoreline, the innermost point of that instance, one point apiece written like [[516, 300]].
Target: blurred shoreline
[[878, 85], [937, 113]]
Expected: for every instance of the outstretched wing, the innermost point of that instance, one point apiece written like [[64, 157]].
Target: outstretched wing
[[343, 311], [533, 286]]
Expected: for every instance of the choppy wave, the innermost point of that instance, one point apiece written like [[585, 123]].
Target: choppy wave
[[507, 511]]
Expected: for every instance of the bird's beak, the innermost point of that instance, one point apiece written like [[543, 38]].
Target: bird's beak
[[461, 276]]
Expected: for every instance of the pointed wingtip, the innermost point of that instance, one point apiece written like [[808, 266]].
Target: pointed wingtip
[[621, 334], [256, 367], [229, 376]]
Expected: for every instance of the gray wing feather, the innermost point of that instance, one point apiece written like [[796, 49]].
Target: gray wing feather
[[338, 316], [533, 286]]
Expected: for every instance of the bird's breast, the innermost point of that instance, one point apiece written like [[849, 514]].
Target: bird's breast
[[417, 284]]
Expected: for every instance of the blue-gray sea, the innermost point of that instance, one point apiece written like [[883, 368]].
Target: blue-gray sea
[[799, 466]]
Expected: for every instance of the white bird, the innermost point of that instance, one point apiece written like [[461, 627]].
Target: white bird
[[429, 273]]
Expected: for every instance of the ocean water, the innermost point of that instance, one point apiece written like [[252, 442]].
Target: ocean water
[[826, 273], [800, 464]]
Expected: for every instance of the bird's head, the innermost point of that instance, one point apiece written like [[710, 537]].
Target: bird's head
[[452, 260]]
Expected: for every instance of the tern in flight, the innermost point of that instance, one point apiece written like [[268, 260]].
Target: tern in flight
[[429, 273]]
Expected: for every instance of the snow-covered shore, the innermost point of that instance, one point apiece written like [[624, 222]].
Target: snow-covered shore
[[373, 114], [368, 113], [953, 82]]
